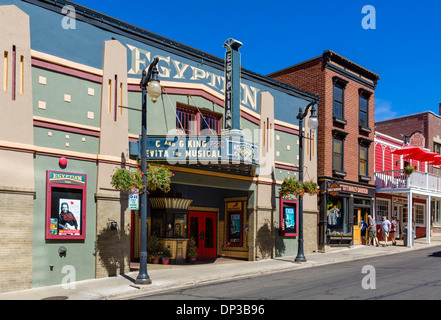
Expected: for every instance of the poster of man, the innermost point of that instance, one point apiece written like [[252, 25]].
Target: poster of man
[[69, 220]]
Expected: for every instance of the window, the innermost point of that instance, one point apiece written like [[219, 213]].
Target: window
[[382, 209], [195, 121], [364, 112], [436, 213], [337, 154], [185, 120], [363, 161], [437, 148], [419, 213], [338, 101]]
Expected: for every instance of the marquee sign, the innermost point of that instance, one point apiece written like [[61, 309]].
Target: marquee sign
[[201, 149]]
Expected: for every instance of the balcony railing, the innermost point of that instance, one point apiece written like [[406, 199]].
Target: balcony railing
[[396, 179]]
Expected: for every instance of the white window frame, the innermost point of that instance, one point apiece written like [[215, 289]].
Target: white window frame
[[423, 214], [388, 210]]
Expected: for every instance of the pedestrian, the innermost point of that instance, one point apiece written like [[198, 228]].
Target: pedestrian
[[364, 227], [393, 229], [372, 231], [385, 227]]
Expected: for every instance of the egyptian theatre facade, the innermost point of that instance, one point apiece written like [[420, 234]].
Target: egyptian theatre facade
[[70, 103]]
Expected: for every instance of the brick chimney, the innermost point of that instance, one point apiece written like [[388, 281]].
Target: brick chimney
[[439, 103]]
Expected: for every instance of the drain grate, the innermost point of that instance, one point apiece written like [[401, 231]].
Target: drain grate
[[56, 298]]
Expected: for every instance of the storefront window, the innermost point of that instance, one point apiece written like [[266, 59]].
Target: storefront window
[[169, 225], [382, 209], [337, 214], [436, 218], [419, 213]]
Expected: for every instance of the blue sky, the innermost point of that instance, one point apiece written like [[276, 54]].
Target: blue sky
[[404, 48]]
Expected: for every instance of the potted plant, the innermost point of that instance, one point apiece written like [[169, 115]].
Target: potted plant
[[191, 251], [291, 186], [310, 187], [155, 257], [408, 170], [154, 247], [166, 255], [158, 177]]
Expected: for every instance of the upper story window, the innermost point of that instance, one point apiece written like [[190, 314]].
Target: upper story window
[[338, 105], [437, 147], [194, 121], [363, 106], [364, 112], [337, 154], [363, 161]]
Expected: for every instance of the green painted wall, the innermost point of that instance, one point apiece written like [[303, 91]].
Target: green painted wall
[[80, 253], [52, 93]]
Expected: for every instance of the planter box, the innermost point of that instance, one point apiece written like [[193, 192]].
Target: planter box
[[339, 240]]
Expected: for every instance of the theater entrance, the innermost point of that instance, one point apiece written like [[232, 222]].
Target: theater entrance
[[203, 230]]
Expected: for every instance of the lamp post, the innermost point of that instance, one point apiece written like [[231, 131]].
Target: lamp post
[[149, 83], [312, 124]]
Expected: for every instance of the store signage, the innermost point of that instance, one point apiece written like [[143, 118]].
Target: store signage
[[354, 189], [417, 140], [67, 178], [204, 149], [174, 68], [228, 89], [334, 189]]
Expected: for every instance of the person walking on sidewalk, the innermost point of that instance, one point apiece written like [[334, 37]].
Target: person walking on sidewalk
[[372, 231], [364, 227], [385, 227], [393, 229]]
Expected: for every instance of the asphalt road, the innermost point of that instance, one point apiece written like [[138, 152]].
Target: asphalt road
[[414, 275]]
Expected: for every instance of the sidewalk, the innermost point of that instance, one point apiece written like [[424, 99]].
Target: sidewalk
[[165, 277]]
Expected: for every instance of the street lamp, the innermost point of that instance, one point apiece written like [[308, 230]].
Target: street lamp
[[312, 124], [149, 83]]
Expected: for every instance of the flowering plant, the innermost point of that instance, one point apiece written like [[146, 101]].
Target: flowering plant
[[155, 255], [341, 234], [293, 186], [310, 187], [158, 177]]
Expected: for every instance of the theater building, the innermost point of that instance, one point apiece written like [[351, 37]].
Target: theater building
[[71, 114]]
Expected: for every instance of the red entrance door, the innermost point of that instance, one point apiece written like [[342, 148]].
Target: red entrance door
[[203, 230]]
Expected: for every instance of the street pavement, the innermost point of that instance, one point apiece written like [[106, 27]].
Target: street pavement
[[166, 277]]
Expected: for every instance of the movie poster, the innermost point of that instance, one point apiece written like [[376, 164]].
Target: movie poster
[[289, 219], [69, 219]]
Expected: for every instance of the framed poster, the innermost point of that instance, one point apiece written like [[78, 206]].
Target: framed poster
[[235, 223], [288, 218], [65, 205]]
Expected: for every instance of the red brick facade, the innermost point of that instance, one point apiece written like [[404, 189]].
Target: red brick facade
[[318, 76]]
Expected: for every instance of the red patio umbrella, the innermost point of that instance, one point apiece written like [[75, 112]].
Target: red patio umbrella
[[423, 157], [436, 160], [408, 150]]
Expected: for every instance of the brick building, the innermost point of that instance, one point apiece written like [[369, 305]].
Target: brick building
[[345, 166]]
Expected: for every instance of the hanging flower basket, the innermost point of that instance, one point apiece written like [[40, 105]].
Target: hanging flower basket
[[408, 170], [310, 187], [158, 177], [291, 186]]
